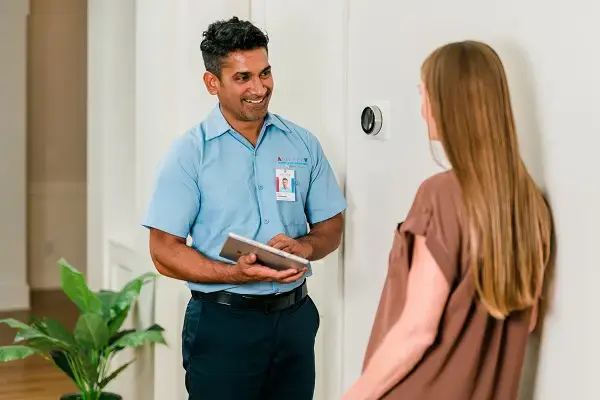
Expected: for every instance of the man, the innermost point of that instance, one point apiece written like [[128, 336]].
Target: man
[[249, 330]]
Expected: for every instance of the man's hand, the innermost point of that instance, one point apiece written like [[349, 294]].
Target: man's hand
[[253, 272], [173, 258], [292, 246]]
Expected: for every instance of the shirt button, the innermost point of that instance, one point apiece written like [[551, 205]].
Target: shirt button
[[266, 221], [260, 187]]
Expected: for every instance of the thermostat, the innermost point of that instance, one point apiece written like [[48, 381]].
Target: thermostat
[[371, 120]]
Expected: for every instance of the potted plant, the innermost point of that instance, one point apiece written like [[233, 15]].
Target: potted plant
[[85, 354]]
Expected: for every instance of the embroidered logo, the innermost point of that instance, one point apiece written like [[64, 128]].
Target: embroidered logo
[[292, 160]]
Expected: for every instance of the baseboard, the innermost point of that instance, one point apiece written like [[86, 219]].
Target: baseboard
[[14, 297]]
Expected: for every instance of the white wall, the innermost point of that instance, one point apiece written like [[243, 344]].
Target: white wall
[[311, 92], [552, 65], [14, 292]]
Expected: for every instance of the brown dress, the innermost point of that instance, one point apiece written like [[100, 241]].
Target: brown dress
[[475, 357]]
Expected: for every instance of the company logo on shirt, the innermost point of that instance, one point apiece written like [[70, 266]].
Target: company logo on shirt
[[292, 160]]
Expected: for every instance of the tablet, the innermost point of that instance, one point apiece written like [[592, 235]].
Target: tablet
[[236, 246]]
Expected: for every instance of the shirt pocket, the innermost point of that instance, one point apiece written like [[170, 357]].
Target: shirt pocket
[[291, 213], [225, 199]]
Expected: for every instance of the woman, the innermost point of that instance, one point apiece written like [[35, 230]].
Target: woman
[[467, 264]]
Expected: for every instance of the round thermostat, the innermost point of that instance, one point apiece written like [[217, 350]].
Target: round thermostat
[[371, 120]]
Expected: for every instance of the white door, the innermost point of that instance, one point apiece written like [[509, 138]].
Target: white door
[[307, 53]]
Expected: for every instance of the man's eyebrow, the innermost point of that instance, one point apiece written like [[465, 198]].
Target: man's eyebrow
[[242, 74], [245, 74]]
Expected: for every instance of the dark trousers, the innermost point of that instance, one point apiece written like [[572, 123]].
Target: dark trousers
[[231, 353]]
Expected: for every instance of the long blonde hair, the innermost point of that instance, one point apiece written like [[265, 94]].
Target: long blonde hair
[[509, 220]]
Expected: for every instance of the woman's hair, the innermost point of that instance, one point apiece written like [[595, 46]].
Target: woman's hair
[[508, 219]]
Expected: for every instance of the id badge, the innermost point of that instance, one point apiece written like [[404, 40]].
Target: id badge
[[285, 182]]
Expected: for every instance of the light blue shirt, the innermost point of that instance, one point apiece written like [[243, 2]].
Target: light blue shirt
[[212, 181]]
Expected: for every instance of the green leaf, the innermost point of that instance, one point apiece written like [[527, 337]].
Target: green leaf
[[131, 291], [16, 352], [37, 324], [116, 337], [37, 337], [119, 335], [114, 374], [115, 323], [13, 323], [136, 339], [91, 331], [28, 334], [60, 360], [89, 363], [156, 327], [44, 344], [74, 286], [108, 297], [25, 331], [57, 331]]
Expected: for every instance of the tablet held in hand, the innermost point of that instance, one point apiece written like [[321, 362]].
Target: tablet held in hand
[[236, 246]]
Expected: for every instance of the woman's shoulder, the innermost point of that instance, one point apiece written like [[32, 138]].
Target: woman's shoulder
[[442, 181], [442, 187]]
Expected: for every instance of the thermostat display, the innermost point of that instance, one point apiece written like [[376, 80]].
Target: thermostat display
[[371, 120]]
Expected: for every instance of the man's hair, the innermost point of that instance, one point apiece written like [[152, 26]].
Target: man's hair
[[225, 37]]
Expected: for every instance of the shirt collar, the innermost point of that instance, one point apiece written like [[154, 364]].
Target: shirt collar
[[217, 125]]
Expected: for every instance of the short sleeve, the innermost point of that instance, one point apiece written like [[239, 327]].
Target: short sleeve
[[325, 198], [435, 216], [175, 199]]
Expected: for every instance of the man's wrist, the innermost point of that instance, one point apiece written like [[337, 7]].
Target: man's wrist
[[234, 274], [307, 248], [223, 272]]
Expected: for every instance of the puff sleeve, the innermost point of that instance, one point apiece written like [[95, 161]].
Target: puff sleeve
[[435, 215]]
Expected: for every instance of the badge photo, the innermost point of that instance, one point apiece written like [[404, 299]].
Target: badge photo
[[285, 184]]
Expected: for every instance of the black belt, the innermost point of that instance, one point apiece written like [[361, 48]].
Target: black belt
[[267, 303]]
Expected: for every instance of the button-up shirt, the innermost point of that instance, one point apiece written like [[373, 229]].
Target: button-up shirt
[[213, 181]]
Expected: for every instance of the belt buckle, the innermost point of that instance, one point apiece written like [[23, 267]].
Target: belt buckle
[[270, 305]]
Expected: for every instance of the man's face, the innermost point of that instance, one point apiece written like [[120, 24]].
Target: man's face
[[245, 86], [284, 183]]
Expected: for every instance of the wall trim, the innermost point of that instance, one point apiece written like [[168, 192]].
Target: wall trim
[[14, 296]]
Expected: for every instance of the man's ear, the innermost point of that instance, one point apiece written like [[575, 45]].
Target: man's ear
[[212, 83]]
